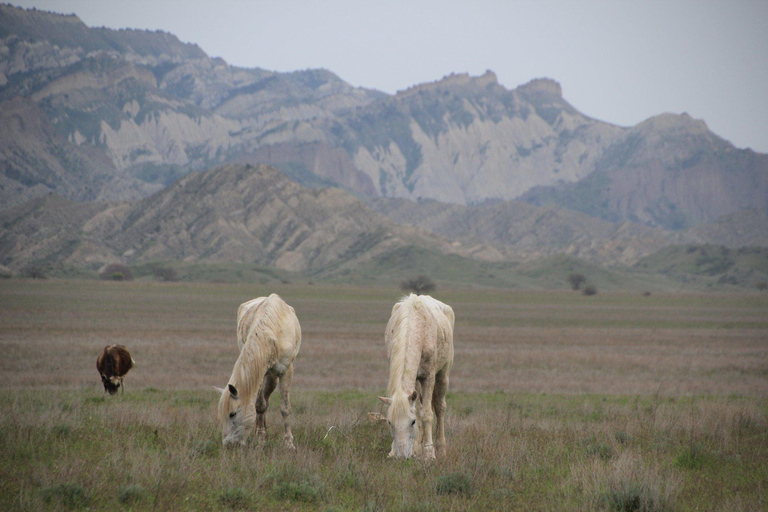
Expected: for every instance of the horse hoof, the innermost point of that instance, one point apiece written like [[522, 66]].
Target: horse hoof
[[429, 453]]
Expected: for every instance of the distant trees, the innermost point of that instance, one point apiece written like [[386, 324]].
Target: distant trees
[[576, 280], [34, 272], [116, 272], [166, 274], [419, 285], [579, 282]]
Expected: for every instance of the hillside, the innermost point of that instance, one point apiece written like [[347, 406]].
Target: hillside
[[116, 115], [235, 213], [523, 232]]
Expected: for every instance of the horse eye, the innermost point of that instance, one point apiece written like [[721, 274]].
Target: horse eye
[[232, 414], [413, 422]]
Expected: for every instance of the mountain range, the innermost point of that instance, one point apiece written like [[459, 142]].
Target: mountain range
[[105, 134]]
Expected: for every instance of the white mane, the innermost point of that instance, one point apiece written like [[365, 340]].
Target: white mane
[[261, 323]]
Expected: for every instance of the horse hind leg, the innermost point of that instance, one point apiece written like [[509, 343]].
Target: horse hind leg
[[420, 434], [426, 417], [262, 403], [285, 406], [438, 402]]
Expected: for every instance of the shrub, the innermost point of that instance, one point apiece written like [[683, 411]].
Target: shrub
[[419, 285], [235, 498], [589, 289], [626, 484], [67, 495], [116, 272], [692, 457], [130, 494], [34, 272], [454, 483], [166, 274], [297, 491], [576, 280], [761, 285]]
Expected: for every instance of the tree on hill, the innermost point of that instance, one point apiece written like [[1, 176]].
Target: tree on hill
[[577, 280], [419, 285], [116, 272]]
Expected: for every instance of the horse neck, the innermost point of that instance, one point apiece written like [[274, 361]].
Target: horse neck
[[405, 354], [257, 355]]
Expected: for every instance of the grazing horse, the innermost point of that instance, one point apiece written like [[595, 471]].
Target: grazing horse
[[269, 337], [113, 363], [419, 341]]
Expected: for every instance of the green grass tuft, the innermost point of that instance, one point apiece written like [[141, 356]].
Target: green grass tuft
[[69, 496], [454, 483]]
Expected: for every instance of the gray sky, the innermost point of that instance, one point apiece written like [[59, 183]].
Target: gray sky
[[617, 61]]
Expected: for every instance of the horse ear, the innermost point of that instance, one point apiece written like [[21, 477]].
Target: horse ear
[[232, 390], [218, 390], [413, 397], [386, 400]]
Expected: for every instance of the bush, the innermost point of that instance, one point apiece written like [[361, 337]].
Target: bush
[[455, 483], [590, 289], [67, 495], [166, 274], [130, 494], [626, 484], [576, 280], [116, 272], [235, 498], [34, 272], [297, 491], [419, 285], [761, 285]]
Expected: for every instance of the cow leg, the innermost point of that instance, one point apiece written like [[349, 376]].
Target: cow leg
[[285, 406], [262, 402], [426, 416], [438, 402]]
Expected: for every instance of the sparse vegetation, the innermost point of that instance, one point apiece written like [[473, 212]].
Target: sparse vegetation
[[454, 483], [116, 272], [167, 274], [576, 280], [420, 285], [644, 404], [34, 272]]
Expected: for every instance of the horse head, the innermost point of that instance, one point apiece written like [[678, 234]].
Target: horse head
[[237, 416], [401, 418]]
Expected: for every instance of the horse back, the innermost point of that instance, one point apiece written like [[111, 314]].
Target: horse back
[[270, 320]]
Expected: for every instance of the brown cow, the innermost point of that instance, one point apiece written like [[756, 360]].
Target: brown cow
[[113, 363]]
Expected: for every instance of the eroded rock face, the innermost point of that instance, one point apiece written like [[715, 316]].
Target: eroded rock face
[[119, 114]]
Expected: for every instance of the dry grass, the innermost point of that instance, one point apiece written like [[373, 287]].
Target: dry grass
[[557, 402]]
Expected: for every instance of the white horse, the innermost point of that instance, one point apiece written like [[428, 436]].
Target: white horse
[[419, 341], [269, 337]]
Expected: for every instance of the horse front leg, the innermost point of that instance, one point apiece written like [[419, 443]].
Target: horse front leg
[[425, 417], [262, 403], [285, 406]]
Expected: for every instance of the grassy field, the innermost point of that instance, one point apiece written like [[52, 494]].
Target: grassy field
[[558, 401]]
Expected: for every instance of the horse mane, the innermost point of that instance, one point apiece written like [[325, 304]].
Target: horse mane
[[259, 326], [399, 327]]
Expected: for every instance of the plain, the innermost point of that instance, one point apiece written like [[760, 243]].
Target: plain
[[558, 401]]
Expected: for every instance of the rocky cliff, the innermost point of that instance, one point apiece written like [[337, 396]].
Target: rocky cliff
[[100, 114]]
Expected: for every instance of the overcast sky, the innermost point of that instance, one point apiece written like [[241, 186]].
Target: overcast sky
[[617, 61]]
